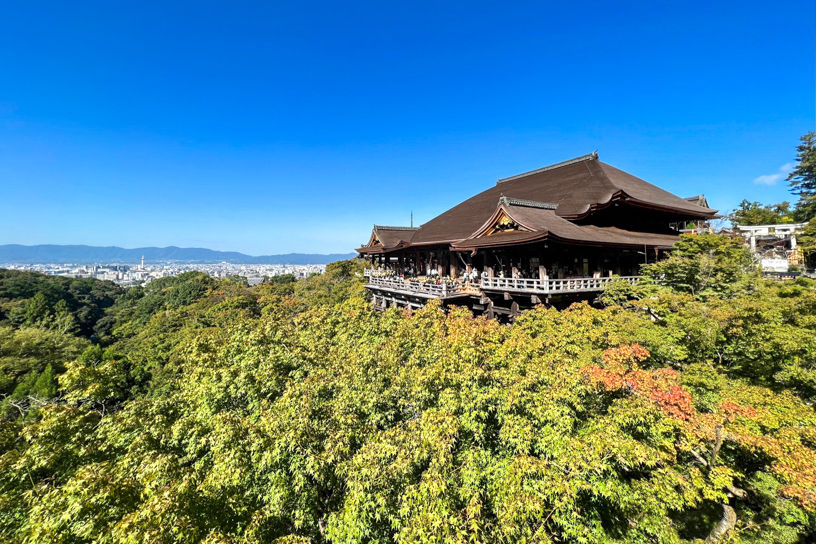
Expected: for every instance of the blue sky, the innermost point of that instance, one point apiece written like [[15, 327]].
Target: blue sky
[[275, 127]]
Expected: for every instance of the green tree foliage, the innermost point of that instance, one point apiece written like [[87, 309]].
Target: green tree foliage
[[37, 310], [704, 265], [29, 349], [45, 321], [291, 412], [803, 178], [170, 293], [807, 243], [755, 213], [28, 298], [63, 320], [45, 387]]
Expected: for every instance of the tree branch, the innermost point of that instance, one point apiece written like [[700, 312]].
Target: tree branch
[[718, 440], [726, 523]]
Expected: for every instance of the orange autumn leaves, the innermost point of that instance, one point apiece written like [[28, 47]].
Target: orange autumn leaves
[[622, 373], [757, 430]]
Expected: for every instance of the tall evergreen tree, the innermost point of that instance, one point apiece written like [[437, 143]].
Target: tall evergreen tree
[[803, 178]]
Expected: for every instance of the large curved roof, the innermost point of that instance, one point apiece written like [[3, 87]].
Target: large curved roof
[[576, 186]]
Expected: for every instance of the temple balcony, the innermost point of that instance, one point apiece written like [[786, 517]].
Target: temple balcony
[[443, 289], [547, 286], [378, 282]]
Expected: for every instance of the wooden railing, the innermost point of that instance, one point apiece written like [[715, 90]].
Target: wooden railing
[[546, 286], [429, 289], [551, 286]]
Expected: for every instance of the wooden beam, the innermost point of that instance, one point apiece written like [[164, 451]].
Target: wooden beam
[[514, 309]]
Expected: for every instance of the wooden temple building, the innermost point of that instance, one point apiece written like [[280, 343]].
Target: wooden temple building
[[553, 234]]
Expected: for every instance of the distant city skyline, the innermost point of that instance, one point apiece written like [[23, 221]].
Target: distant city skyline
[[143, 274], [270, 128], [84, 254]]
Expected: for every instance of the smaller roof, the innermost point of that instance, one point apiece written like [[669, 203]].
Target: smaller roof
[[700, 200], [385, 238]]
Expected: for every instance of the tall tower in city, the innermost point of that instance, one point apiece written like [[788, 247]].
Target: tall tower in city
[[142, 262]]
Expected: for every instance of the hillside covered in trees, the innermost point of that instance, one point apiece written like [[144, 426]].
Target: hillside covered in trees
[[201, 410]]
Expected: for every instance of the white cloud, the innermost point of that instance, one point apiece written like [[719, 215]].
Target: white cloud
[[772, 179], [768, 179]]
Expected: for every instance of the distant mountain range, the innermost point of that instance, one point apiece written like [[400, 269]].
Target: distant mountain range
[[14, 253]]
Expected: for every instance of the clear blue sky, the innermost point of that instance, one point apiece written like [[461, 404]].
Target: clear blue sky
[[269, 128]]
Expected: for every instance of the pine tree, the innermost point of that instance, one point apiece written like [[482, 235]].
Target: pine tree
[[803, 178]]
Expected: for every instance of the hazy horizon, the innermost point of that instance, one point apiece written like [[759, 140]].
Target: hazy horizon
[[174, 246], [51, 254]]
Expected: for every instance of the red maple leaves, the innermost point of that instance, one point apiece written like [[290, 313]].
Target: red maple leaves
[[661, 386]]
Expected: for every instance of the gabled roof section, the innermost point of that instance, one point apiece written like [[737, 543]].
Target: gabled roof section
[[384, 238], [575, 187], [537, 221], [509, 216]]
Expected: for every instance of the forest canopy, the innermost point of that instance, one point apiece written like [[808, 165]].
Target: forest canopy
[[203, 410]]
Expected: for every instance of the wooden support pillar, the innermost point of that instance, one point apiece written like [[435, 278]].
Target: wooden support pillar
[[514, 309], [490, 273]]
